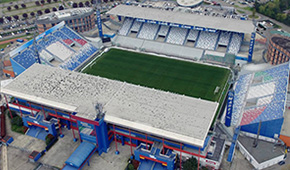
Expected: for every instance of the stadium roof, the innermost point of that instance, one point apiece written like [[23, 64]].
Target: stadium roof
[[173, 116], [261, 95], [243, 26], [189, 3]]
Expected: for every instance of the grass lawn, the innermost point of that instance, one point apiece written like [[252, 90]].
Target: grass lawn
[[191, 79]]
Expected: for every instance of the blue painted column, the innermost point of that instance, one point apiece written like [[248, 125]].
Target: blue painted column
[[251, 49], [99, 22], [229, 108]]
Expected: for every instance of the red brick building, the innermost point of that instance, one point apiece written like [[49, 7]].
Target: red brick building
[[278, 50], [79, 19]]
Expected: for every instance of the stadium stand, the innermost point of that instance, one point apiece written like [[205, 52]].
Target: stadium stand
[[136, 26], [63, 37], [73, 36], [207, 40], [261, 96], [75, 60], [163, 30], [148, 31], [177, 35], [235, 43], [192, 35], [54, 44], [26, 58], [224, 38], [126, 26]]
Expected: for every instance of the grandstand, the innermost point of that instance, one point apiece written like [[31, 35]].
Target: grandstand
[[59, 46], [261, 96], [198, 31]]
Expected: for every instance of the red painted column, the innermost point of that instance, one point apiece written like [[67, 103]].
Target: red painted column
[[43, 112], [163, 146], [115, 138], [19, 107], [180, 160], [130, 142], [31, 109], [8, 107]]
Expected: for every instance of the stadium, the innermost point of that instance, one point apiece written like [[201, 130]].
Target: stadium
[[159, 89]]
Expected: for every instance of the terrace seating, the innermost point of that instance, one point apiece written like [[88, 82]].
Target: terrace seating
[[163, 30], [77, 59], [148, 31], [177, 35], [73, 36], [46, 41], [192, 35], [63, 37], [251, 114], [235, 44], [207, 40], [224, 38], [25, 59], [126, 26], [136, 26]]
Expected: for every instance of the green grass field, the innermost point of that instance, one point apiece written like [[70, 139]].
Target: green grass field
[[172, 75]]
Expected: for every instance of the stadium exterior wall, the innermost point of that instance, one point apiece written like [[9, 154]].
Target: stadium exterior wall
[[17, 68], [278, 50], [268, 128], [79, 23]]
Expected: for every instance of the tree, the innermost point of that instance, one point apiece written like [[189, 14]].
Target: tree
[[190, 164], [54, 9], [23, 5], [48, 1], [55, 0], [74, 5], [16, 17], [37, 3], [9, 18], [105, 1], [1, 20], [93, 1], [42, 2], [24, 15], [32, 14], [47, 11], [87, 3], [16, 6], [81, 4], [61, 8], [9, 8], [39, 12], [16, 121]]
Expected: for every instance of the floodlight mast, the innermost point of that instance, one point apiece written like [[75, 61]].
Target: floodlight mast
[[37, 59]]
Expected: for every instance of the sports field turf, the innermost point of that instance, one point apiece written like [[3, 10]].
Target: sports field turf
[[172, 75]]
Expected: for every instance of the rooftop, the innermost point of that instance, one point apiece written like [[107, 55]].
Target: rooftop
[[160, 113], [220, 23], [189, 3], [283, 42], [63, 15], [263, 152]]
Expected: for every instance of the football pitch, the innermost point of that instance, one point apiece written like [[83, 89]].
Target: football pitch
[[177, 76]]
